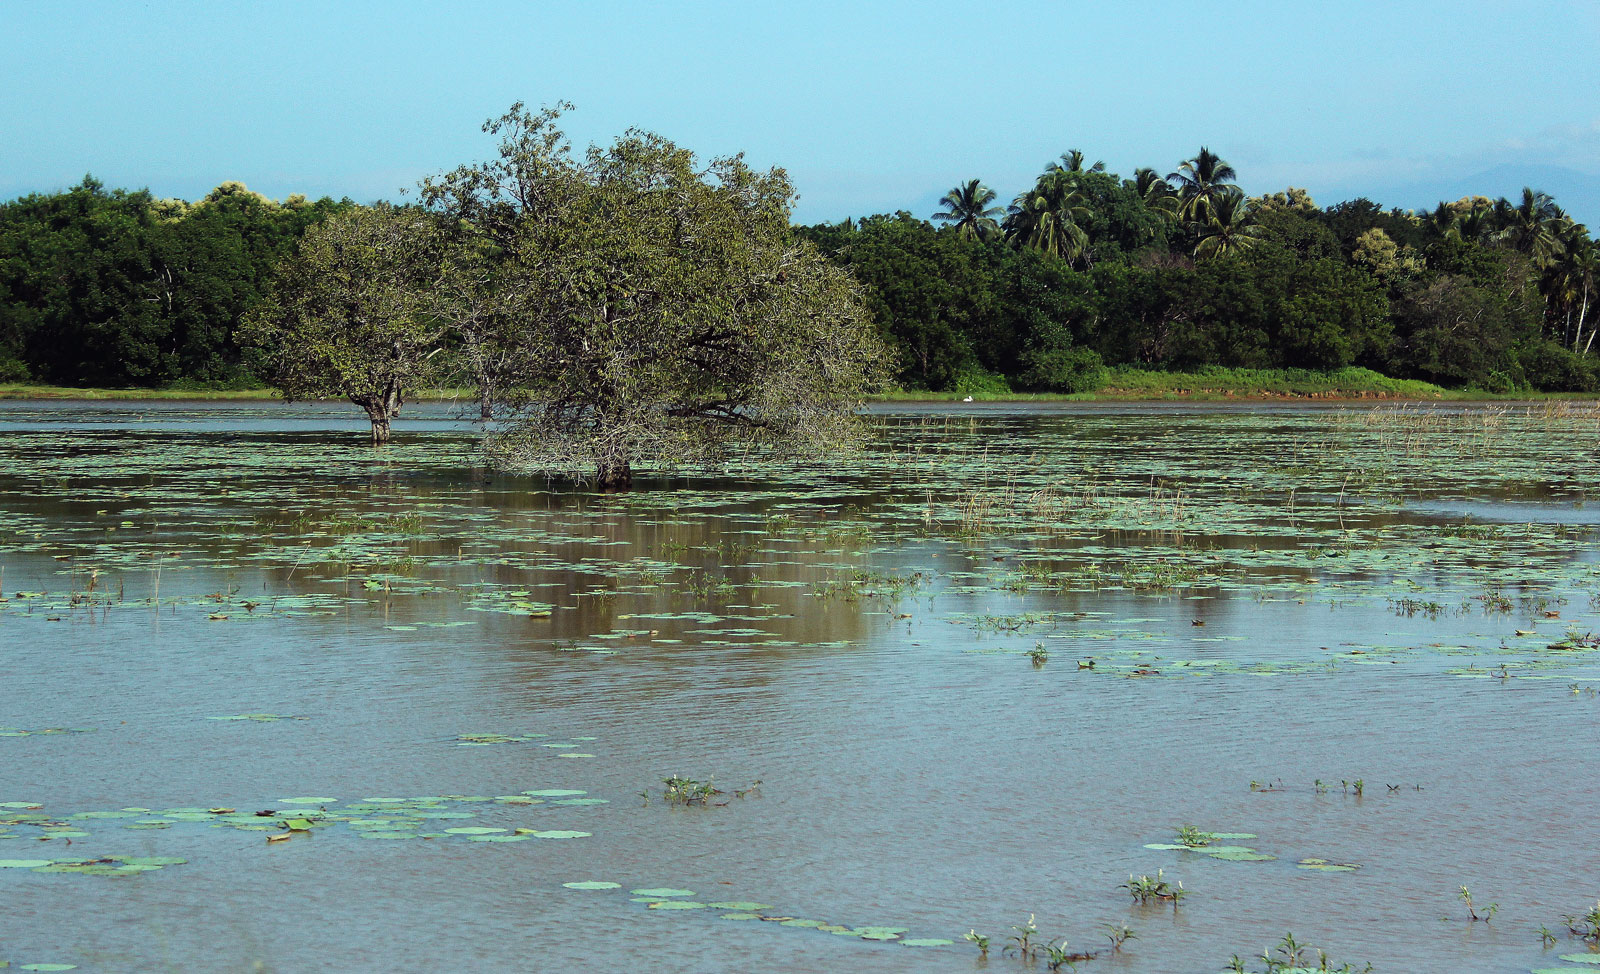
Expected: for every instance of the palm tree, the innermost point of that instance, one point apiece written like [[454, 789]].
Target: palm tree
[[1445, 221], [1156, 192], [1201, 182], [1072, 161], [1228, 230], [1532, 226], [967, 209], [1047, 216], [1476, 223], [1571, 278]]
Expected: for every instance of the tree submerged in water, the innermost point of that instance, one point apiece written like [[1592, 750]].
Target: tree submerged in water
[[659, 311], [352, 313]]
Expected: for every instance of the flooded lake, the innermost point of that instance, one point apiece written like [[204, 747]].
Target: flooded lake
[[987, 669]]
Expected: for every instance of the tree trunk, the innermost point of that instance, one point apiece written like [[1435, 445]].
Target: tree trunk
[[485, 404], [1582, 315], [612, 476], [380, 418], [381, 410]]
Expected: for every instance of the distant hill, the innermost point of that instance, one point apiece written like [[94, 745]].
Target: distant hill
[[1577, 192]]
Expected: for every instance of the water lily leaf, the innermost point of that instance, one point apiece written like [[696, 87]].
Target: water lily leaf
[[24, 863], [472, 830], [1326, 866], [48, 967], [1164, 846], [1248, 855], [802, 923], [739, 916], [926, 942], [557, 834], [676, 905], [307, 801], [1581, 958], [596, 884], [741, 906], [555, 793]]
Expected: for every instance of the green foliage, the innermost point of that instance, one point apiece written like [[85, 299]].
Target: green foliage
[[659, 309], [354, 313], [1063, 369], [116, 288]]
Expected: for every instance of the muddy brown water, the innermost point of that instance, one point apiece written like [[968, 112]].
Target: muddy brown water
[[1349, 602]]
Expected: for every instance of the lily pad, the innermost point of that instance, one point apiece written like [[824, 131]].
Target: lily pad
[[926, 942], [1326, 866], [1246, 855], [676, 905], [596, 884], [739, 916], [740, 905], [1581, 958]]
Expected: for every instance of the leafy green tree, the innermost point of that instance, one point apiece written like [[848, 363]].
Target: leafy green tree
[[77, 267], [354, 314], [668, 314], [967, 208], [489, 207], [1386, 259]]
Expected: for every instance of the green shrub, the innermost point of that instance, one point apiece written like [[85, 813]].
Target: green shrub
[[974, 381], [1550, 367], [1071, 369]]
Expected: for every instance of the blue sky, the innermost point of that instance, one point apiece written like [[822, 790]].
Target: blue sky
[[871, 107]]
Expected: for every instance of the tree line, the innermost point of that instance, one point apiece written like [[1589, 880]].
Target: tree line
[[1081, 271], [1085, 270]]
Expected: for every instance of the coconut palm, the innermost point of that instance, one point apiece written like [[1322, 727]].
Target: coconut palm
[[966, 207], [1156, 192], [1532, 226], [1228, 230], [1201, 182], [1072, 161], [1476, 223], [1047, 217], [1445, 221], [1570, 280]]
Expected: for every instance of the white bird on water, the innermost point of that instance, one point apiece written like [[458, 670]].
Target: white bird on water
[[968, 399]]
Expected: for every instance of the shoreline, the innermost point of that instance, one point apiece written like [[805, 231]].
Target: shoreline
[[1195, 389]]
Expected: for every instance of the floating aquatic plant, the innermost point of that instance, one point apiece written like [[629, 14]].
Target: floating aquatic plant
[[1154, 889]]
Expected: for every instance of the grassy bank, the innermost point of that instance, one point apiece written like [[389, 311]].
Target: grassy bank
[[1214, 384], [1124, 383]]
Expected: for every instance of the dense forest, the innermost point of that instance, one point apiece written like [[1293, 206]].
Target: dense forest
[[1081, 272]]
